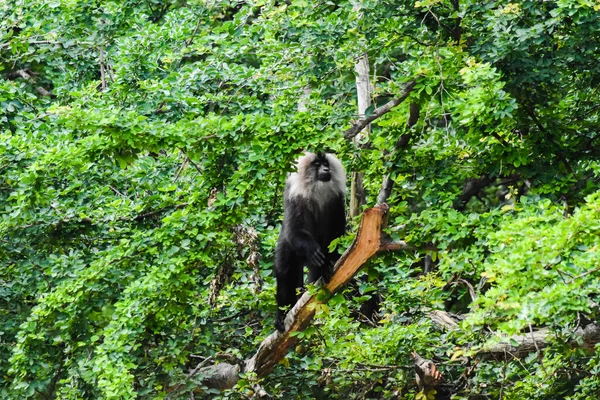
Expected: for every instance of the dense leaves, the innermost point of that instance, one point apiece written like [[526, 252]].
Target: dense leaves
[[143, 151]]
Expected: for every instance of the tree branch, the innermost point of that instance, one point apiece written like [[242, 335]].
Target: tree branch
[[367, 243], [471, 188], [519, 345], [388, 183], [384, 109]]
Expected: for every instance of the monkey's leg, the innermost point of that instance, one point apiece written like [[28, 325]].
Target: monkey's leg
[[288, 272]]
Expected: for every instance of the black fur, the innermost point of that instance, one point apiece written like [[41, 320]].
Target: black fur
[[314, 215]]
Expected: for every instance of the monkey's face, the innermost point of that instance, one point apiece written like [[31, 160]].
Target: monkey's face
[[321, 168]]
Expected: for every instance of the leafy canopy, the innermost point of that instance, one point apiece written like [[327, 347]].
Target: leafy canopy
[[143, 151]]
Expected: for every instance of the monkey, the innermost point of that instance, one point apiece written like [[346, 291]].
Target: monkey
[[314, 214]]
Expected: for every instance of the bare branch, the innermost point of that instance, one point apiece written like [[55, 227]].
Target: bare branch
[[102, 69], [388, 183], [518, 345], [589, 271], [384, 109]]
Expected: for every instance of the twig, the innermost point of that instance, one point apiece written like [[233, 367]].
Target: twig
[[234, 316], [116, 191], [384, 109], [181, 168], [191, 161], [591, 271], [190, 375], [102, 71], [470, 287]]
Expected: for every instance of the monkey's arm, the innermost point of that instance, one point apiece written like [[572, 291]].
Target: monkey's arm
[[305, 244], [298, 225], [339, 217]]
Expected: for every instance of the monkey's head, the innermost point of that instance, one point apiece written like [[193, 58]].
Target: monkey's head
[[315, 167], [320, 176], [320, 167]]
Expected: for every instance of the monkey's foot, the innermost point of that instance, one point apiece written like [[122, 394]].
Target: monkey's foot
[[327, 271], [279, 323]]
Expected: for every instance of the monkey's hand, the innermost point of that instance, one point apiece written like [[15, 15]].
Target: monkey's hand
[[327, 271], [316, 258]]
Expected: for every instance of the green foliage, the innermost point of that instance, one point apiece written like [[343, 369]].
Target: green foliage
[[143, 152]]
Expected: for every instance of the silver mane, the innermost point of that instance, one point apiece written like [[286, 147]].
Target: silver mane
[[304, 184]]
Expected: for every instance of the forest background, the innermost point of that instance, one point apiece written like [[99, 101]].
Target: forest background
[[144, 146]]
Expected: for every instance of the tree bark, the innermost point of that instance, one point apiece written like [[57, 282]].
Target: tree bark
[[519, 345], [363, 94]]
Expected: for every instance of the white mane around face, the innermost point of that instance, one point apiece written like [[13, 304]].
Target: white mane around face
[[304, 184]]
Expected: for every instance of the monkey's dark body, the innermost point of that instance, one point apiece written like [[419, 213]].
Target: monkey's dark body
[[310, 223]]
